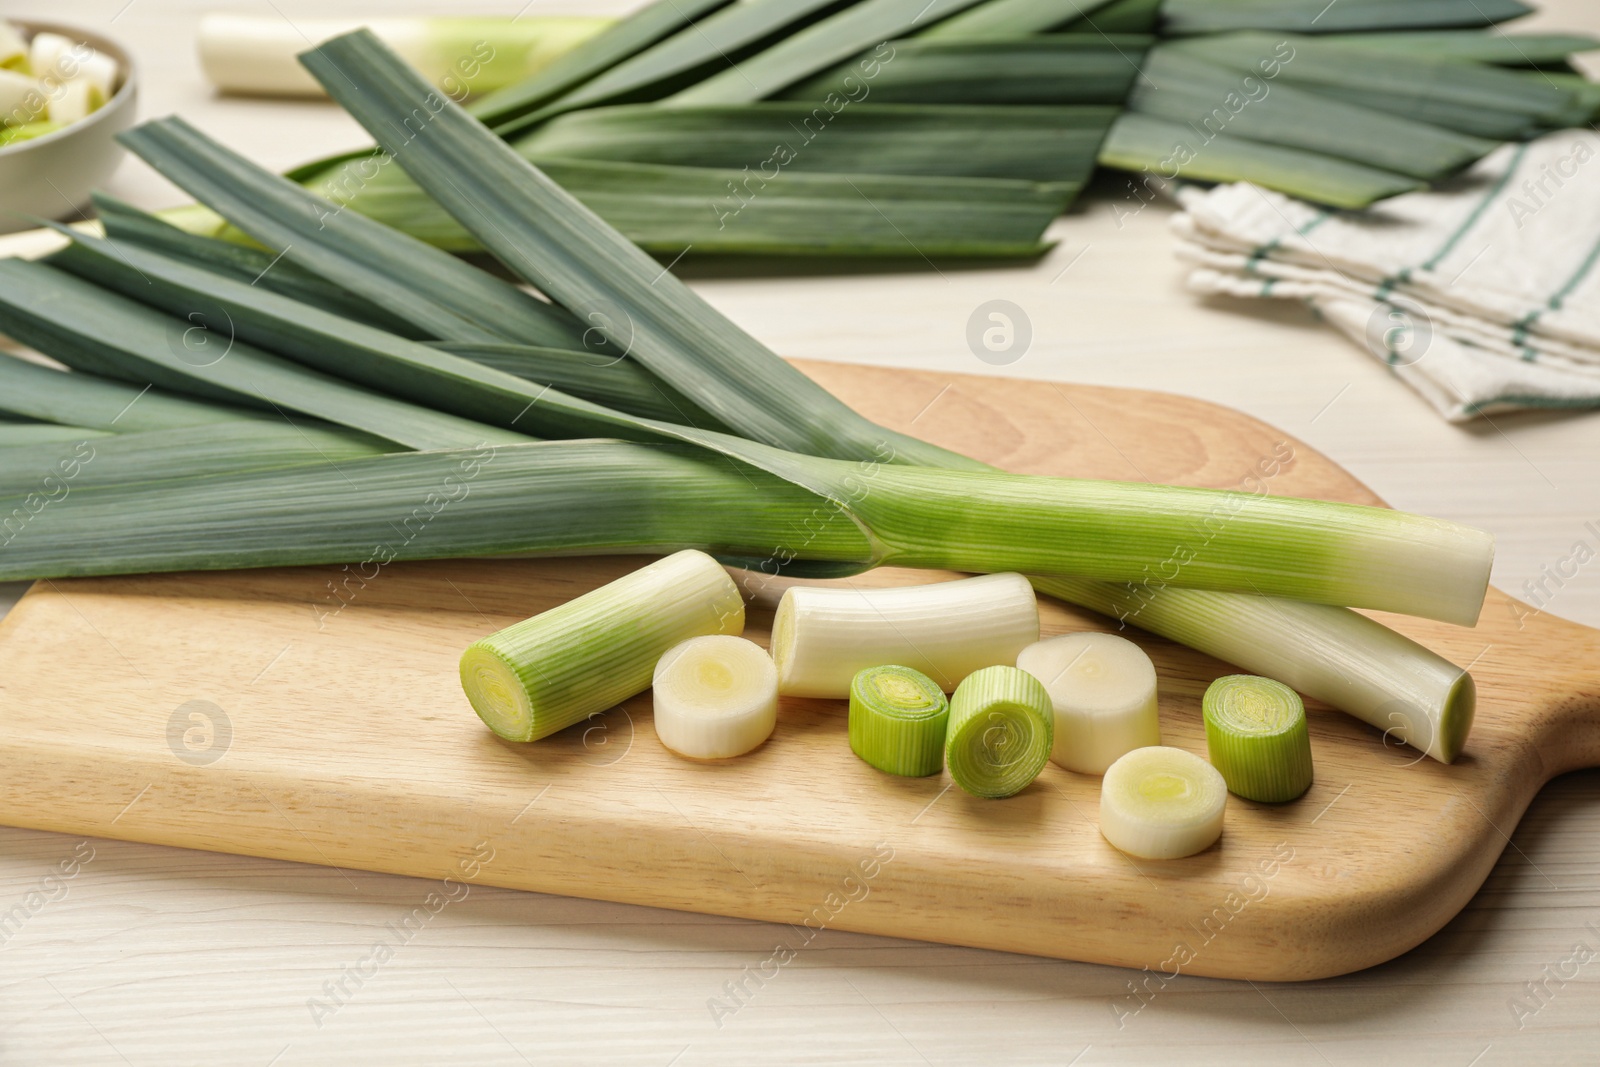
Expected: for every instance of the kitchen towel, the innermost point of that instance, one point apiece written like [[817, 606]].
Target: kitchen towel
[[1480, 294]]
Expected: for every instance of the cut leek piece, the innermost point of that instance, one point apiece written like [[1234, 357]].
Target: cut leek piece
[[898, 719], [13, 49], [821, 637], [1001, 727], [53, 58], [1335, 655], [255, 54], [1103, 689], [27, 132], [21, 103], [73, 101], [1257, 736], [566, 664], [1162, 803], [715, 697]]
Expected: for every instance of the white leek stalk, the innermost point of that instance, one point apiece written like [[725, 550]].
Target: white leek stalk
[[822, 636], [560, 667], [1335, 655], [51, 57], [715, 697], [1103, 688], [16, 107], [1001, 726], [1257, 736], [13, 48], [99, 70], [1162, 803], [461, 55], [898, 720], [73, 101]]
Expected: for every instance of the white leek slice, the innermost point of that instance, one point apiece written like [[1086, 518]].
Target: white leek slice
[[560, 667], [999, 735], [1257, 736], [16, 109], [99, 70], [13, 49], [822, 636], [1162, 803], [1103, 688], [54, 57], [715, 697], [73, 101]]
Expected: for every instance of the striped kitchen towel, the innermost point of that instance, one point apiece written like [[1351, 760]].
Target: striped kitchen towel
[[1483, 295]]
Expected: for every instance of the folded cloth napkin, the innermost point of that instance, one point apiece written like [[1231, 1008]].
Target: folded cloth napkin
[[1480, 294]]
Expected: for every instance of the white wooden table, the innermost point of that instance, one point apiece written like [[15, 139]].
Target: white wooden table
[[160, 956]]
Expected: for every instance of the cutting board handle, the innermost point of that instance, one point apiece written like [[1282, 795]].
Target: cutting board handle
[[1567, 733]]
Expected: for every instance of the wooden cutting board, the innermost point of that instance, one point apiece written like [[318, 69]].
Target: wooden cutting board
[[258, 713]]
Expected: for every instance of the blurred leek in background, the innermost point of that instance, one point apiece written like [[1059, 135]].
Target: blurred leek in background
[[962, 127]]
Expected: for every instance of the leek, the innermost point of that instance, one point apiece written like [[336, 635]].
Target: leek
[[1297, 16], [822, 638], [1469, 46], [819, 46], [1000, 732], [81, 399], [1061, 69], [1175, 150], [1041, 144], [1338, 656], [1103, 690], [255, 54], [1257, 736], [1012, 18], [898, 719], [90, 329], [715, 697], [1162, 804], [566, 664], [1193, 91], [651, 23]]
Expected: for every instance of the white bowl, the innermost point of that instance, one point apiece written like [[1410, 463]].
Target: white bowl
[[51, 176]]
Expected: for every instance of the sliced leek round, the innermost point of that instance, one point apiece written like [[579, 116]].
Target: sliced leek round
[[1103, 688], [898, 719], [822, 636], [1257, 736], [560, 667], [1162, 803], [715, 697], [1001, 725]]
